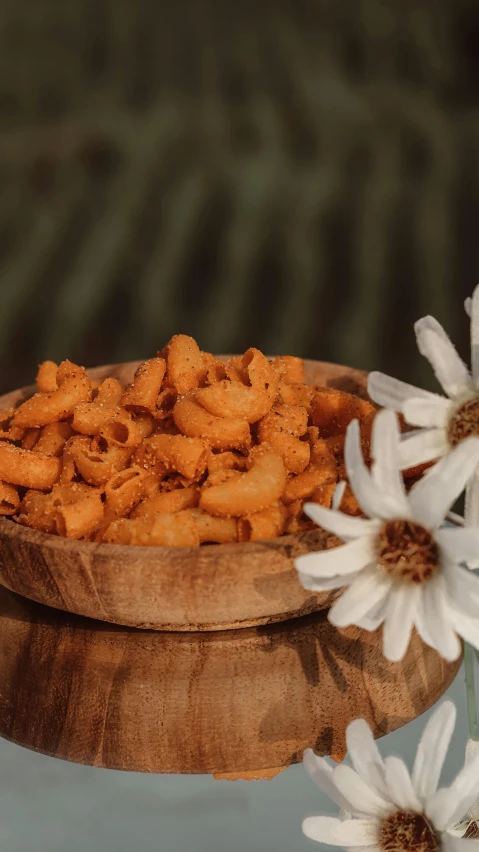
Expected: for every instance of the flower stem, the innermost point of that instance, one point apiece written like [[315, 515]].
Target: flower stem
[[470, 691]]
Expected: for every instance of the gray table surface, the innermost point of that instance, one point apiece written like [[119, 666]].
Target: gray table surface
[[48, 805]]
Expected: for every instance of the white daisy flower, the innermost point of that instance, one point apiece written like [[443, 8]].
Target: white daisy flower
[[400, 565], [469, 826], [383, 807], [443, 421]]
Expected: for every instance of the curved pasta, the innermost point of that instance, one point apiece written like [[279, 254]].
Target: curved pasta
[[47, 377], [165, 403], [228, 460], [30, 438], [292, 369], [185, 363], [122, 431], [142, 393], [332, 410], [324, 494], [214, 529], [218, 370], [28, 468], [281, 428], [123, 492], [322, 470], [74, 387], [109, 392], [9, 499], [269, 523], [178, 530], [295, 394], [223, 433], [145, 422], [38, 510], [167, 502], [187, 456], [53, 438], [234, 399], [89, 418], [80, 519], [98, 467], [251, 491]]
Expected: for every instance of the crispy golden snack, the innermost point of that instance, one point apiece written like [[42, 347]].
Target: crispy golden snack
[[196, 449]]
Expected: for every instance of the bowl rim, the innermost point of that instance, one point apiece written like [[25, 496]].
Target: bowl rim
[[11, 529]]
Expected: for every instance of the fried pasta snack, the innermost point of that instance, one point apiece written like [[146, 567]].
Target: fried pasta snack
[[196, 449]]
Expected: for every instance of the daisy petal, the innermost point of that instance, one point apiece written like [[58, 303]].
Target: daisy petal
[[373, 619], [472, 747], [422, 625], [468, 306], [344, 559], [461, 795], [434, 494], [458, 844], [465, 625], [314, 584], [392, 393], [344, 526], [322, 774], [432, 749], [385, 452], [400, 785], [399, 619], [375, 501], [421, 447], [427, 412], [461, 545], [450, 370], [432, 324], [338, 832], [432, 621], [365, 755], [471, 513], [440, 807], [338, 495], [363, 798], [475, 336], [365, 594], [461, 588]]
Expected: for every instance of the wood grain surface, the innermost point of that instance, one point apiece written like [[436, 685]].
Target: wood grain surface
[[212, 587], [238, 703]]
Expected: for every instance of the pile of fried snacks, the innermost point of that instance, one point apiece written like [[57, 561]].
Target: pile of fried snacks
[[196, 449]]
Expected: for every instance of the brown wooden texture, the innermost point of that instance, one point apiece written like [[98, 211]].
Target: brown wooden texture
[[237, 702], [211, 587]]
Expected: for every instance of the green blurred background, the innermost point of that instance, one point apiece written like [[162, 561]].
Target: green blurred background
[[298, 175]]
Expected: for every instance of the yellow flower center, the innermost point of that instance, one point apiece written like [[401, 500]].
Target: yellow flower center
[[408, 832], [464, 423], [407, 551]]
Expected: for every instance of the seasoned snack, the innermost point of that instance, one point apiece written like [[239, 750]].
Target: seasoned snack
[[196, 449]]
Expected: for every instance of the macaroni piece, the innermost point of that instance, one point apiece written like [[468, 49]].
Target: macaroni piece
[[142, 393], [28, 468], [185, 363], [165, 530], [223, 433], [47, 377], [167, 502], [251, 491], [74, 386]]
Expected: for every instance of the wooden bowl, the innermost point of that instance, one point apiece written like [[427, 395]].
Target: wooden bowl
[[212, 587], [239, 703]]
